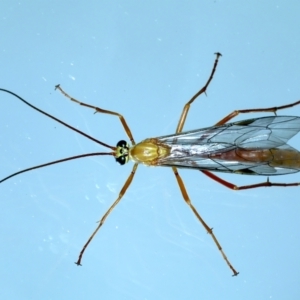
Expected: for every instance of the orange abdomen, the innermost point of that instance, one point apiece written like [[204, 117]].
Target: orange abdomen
[[284, 158]]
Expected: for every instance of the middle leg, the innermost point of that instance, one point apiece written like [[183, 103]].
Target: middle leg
[[207, 228], [203, 90]]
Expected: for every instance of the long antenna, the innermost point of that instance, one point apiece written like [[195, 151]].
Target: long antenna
[[59, 121], [57, 162], [63, 159]]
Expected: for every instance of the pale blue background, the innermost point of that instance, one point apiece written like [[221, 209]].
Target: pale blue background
[[144, 59]]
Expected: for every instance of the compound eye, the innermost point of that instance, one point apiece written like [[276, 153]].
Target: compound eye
[[122, 152], [122, 144], [121, 160]]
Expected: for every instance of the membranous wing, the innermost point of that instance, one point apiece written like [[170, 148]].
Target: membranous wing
[[254, 146]]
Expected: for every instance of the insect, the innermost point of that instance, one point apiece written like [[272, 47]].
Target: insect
[[252, 147]]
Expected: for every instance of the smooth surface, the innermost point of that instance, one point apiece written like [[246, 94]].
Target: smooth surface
[[144, 60]]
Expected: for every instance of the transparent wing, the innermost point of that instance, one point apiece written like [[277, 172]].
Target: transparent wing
[[254, 146]]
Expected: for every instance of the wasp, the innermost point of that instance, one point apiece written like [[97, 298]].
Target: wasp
[[255, 146]]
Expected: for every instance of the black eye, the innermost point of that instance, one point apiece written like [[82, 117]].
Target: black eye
[[121, 160], [122, 144]]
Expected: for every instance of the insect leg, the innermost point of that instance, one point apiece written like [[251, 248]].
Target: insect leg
[[255, 110], [208, 229], [101, 222], [100, 110], [246, 187], [201, 91]]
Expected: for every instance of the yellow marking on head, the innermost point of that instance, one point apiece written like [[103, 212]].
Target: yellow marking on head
[[122, 152]]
